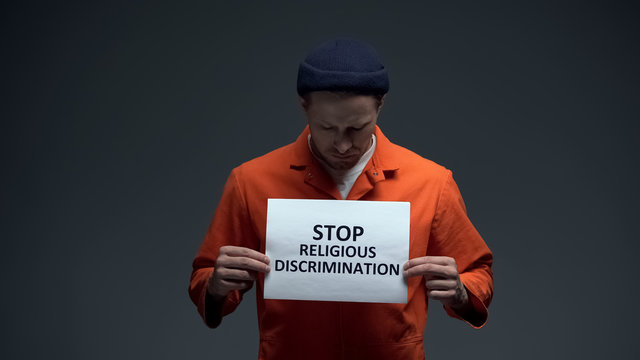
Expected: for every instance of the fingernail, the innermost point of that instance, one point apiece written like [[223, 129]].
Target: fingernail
[[268, 268]]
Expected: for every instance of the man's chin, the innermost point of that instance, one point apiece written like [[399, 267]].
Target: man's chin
[[342, 164]]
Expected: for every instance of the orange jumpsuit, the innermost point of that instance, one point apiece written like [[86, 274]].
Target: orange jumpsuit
[[292, 329]]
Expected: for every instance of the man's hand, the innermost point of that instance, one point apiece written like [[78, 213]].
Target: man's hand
[[236, 268], [441, 279]]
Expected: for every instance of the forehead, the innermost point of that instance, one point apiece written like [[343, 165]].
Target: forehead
[[340, 104], [334, 96]]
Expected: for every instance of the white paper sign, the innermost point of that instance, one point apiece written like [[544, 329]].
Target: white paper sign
[[337, 250]]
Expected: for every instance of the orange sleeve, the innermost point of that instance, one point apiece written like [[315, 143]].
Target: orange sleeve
[[453, 235], [230, 226]]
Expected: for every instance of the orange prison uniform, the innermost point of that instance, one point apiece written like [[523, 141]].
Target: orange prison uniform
[[292, 329]]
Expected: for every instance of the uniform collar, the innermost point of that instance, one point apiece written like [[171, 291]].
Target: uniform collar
[[379, 168]]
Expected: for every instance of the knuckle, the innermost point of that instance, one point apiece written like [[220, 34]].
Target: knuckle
[[411, 273], [239, 275], [244, 262], [221, 261]]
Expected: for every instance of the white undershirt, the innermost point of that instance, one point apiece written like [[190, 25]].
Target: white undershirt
[[345, 179]]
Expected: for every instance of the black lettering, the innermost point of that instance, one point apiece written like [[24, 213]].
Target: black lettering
[[372, 252], [383, 269], [364, 252], [358, 269], [395, 269], [335, 250], [367, 266], [351, 251], [300, 266], [338, 232], [294, 265], [347, 267], [326, 268], [313, 249], [279, 265], [329, 231], [357, 231], [315, 230], [304, 250], [312, 266]]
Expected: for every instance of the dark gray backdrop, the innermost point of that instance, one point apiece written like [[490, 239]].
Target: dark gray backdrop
[[121, 121]]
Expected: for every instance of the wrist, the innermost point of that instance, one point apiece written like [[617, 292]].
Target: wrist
[[462, 302], [464, 307]]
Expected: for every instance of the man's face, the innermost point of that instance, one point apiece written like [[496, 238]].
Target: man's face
[[341, 126]]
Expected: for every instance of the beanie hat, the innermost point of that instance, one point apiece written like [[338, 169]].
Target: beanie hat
[[343, 64]]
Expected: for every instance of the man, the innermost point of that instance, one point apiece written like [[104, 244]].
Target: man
[[342, 154]]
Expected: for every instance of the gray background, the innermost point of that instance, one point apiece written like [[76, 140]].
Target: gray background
[[121, 121]]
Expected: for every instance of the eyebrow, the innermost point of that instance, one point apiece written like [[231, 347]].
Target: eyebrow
[[324, 123]]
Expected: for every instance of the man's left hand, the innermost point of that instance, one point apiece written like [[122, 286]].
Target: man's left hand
[[441, 279]]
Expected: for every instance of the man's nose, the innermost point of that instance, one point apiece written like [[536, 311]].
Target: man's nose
[[343, 143]]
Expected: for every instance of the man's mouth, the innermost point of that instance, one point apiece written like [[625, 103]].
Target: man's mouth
[[344, 156]]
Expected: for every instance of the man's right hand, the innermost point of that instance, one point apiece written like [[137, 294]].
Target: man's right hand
[[236, 268]]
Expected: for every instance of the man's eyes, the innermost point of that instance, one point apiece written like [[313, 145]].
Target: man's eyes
[[350, 128]]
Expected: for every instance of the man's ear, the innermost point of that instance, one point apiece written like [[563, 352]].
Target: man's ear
[[304, 103], [381, 102]]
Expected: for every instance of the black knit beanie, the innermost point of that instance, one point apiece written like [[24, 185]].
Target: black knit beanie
[[343, 64]]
